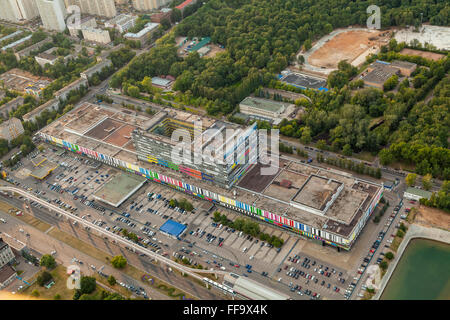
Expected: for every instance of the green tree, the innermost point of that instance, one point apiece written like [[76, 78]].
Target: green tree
[[111, 280], [87, 285], [44, 278], [389, 255], [427, 181], [411, 179], [119, 262], [347, 150], [383, 265], [48, 261]]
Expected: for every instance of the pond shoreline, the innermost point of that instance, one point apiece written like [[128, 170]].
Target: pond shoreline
[[414, 232]]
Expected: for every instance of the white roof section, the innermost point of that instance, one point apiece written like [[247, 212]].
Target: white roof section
[[148, 27], [252, 289]]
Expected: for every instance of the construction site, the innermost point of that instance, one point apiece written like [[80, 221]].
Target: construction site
[[352, 45]]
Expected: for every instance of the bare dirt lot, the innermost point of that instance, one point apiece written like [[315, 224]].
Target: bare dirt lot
[[423, 54], [215, 49], [432, 217], [344, 46]]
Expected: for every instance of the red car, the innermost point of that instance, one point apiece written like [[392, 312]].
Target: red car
[[236, 265], [372, 250]]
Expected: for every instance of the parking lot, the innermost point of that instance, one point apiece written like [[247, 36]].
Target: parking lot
[[204, 242]]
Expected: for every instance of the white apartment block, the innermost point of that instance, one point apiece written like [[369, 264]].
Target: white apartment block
[[122, 22], [18, 10], [96, 35], [146, 5], [53, 13], [106, 8]]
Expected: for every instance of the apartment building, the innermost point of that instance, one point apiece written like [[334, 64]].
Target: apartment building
[[18, 10], [53, 13], [106, 8]]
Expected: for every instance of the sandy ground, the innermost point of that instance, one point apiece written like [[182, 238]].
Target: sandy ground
[[431, 217], [423, 54], [344, 46], [436, 35]]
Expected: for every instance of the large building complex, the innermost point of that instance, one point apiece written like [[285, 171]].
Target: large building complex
[[18, 10], [52, 14], [106, 8], [146, 5], [325, 205]]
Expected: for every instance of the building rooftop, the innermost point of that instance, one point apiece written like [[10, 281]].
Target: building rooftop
[[47, 56], [403, 64], [119, 188], [148, 27], [379, 72], [107, 130], [42, 167], [419, 192], [40, 108], [264, 104], [184, 4]]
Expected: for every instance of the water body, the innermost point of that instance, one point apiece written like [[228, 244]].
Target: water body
[[423, 272]]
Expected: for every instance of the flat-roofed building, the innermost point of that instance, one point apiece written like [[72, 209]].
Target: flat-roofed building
[[185, 4], [264, 108], [144, 35], [326, 205], [378, 73], [86, 74], [25, 52], [52, 104], [405, 67], [416, 194], [77, 84], [251, 290], [11, 129], [45, 58], [6, 108], [96, 35], [159, 16], [122, 22]]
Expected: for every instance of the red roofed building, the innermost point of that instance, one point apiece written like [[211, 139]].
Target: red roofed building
[[185, 4]]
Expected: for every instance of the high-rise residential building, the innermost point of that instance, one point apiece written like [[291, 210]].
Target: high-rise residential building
[[18, 10], [145, 5], [106, 8], [52, 14]]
